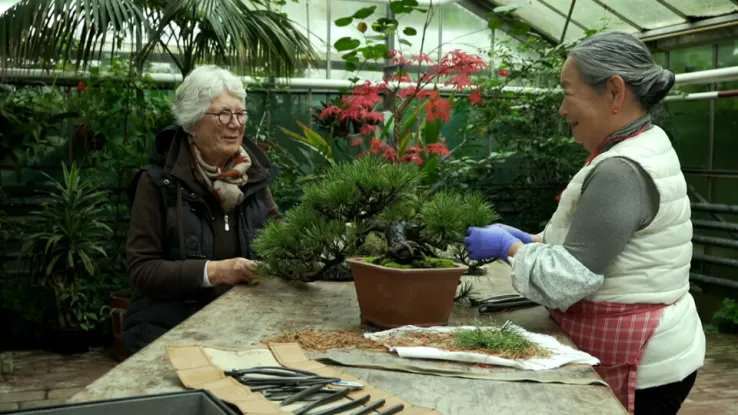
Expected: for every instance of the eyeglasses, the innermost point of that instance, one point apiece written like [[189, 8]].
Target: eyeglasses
[[226, 116]]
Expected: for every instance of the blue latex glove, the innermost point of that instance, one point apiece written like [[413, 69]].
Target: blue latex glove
[[524, 237], [489, 242]]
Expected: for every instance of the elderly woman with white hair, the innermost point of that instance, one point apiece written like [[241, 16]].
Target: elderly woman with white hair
[[196, 208], [612, 265]]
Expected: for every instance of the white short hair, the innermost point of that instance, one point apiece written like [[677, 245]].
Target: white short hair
[[198, 90]]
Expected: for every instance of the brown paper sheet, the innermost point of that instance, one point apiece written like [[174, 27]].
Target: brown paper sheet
[[196, 370]]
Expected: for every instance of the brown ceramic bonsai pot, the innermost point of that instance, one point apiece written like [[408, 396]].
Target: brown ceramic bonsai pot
[[392, 297]]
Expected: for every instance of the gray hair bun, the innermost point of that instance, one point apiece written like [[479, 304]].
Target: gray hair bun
[[657, 86], [604, 55]]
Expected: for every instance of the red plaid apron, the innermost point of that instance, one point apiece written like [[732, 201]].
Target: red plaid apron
[[616, 334]]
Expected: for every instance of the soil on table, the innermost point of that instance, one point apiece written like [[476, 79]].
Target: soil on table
[[322, 341]]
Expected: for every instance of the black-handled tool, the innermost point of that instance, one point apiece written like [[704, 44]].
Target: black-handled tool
[[505, 302], [345, 407], [302, 394], [369, 409], [393, 410], [320, 402], [270, 370]]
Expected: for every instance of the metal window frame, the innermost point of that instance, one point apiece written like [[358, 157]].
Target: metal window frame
[[676, 11], [690, 25], [483, 7], [712, 23], [618, 15], [564, 15]]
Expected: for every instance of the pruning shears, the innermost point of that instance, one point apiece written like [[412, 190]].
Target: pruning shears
[[289, 386], [506, 302]]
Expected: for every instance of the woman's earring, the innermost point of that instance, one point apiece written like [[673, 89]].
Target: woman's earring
[[614, 111]]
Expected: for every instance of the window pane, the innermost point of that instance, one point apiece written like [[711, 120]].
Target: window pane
[[465, 31], [726, 122], [688, 123], [724, 191], [311, 18], [592, 15], [660, 58], [646, 14], [704, 8], [416, 20], [544, 19], [692, 59]]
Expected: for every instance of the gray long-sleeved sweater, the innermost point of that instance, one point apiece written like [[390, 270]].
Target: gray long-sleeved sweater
[[618, 198]]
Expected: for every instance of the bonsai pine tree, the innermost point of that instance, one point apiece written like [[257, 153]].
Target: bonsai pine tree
[[445, 218], [367, 198]]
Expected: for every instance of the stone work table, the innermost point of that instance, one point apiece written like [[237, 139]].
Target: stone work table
[[245, 315]]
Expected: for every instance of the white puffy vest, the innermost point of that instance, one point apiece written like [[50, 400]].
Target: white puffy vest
[[654, 265], [640, 274]]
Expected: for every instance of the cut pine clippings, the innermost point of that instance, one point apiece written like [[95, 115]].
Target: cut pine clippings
[[504, 342]]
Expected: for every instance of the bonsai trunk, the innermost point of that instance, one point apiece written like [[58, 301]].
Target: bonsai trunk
[[401, 249]]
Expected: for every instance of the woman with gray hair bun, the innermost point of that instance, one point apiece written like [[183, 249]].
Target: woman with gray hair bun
[[612, 265], [196, 208]]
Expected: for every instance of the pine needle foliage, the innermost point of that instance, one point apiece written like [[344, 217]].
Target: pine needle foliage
[[448, 214], [354, 200]]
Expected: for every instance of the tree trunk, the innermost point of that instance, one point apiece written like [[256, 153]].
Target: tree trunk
[[401, 249]]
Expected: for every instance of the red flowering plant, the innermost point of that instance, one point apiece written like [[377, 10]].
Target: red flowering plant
[[410, 130], [418, 103]]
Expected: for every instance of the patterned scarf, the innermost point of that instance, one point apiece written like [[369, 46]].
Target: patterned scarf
[[224, 184]]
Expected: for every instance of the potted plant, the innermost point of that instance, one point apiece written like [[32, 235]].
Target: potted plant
[[401, 118], [407, 284], [726, 319], [394, 247], [62, 250]]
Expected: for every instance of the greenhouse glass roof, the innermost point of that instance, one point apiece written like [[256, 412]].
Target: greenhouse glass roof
[[647, 18]]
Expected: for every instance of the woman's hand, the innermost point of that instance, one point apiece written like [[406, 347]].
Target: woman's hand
[[490, 242], [232, 271], [524, 237]]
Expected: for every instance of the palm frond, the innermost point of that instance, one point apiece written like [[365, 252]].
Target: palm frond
[[230, 33], [65, 31]]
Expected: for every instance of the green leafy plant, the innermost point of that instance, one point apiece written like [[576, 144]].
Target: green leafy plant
[[31, 119], [66, 243], [726, 319], [356, 202]]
